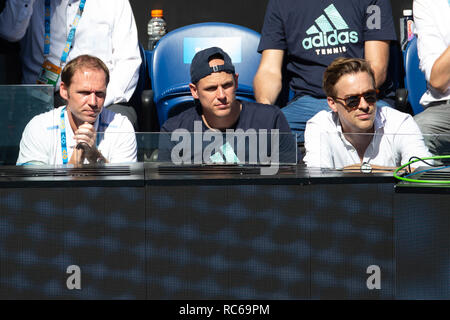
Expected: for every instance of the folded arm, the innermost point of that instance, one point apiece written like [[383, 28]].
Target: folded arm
[[15, 18], [440, 73], [267, 81], [377, 53]]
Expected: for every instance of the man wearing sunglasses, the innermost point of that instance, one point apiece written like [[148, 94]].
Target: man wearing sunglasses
[[355, 131], [300, 38]]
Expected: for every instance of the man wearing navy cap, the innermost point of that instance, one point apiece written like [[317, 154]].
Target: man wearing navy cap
[[213, 86]]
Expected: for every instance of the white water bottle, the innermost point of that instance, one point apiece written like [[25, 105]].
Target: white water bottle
[[406, 28], [410, 27], [156, 28]]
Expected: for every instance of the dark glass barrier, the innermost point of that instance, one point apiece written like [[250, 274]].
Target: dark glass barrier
[[18, 105]]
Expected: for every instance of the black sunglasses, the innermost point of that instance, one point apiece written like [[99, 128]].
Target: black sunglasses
[[353, 101]]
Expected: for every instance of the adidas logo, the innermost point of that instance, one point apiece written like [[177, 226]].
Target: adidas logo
[[227, 152], [329, 31]]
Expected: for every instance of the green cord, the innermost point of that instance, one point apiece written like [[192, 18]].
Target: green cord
[[421, 181]]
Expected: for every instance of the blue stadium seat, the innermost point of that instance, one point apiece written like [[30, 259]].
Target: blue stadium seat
[[171, 58], [415, 81]]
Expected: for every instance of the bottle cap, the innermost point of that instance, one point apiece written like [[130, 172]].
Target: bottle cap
[[157, 13], [407, 12]]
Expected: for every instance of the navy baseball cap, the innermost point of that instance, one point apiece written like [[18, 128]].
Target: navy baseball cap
[[200, 63]]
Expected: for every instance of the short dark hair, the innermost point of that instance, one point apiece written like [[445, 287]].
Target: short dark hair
[[84, 61], [340, 67]]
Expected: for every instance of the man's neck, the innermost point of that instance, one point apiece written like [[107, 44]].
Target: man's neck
[[74, 122], [360, 142], [224, 123]]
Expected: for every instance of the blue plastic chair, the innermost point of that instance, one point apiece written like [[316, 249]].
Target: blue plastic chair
[[415, 81], [172, 56]]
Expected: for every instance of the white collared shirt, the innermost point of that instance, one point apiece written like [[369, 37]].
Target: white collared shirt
[[41, 139], [432, 22], [396, 139], [106, 30]]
